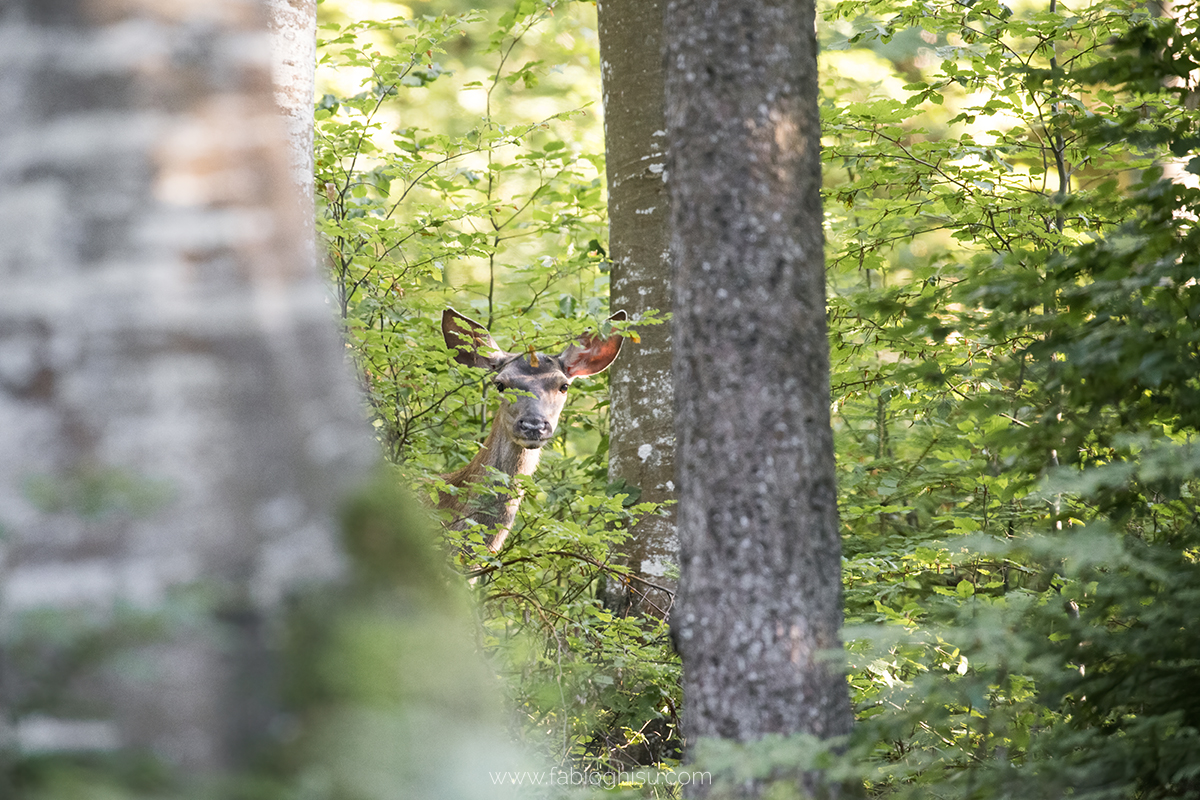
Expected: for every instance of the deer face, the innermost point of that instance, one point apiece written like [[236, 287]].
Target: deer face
[[533, 387], [531, 399]]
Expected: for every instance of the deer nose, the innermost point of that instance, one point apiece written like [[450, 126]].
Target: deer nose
[[534, 428]]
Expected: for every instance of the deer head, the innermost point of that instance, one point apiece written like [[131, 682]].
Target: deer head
[[533, 386]]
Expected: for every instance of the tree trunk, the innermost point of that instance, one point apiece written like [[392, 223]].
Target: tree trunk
[[1175, 169], [293, 26], [642, 439], [175, 412], [760, 594]]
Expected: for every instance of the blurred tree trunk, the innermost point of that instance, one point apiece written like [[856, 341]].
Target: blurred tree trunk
[[642, 441], [760, 584], [176, 421]]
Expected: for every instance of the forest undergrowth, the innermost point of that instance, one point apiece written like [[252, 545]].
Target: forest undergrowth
[[1015, 330]]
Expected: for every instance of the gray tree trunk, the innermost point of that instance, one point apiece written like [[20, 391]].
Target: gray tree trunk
[[760, 594], [175, 415], [642, 439]]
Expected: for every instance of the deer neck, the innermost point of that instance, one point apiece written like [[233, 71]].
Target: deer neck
[[497, 510], [501, 453]]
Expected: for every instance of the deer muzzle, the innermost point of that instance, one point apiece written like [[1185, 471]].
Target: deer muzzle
[[532, 432]]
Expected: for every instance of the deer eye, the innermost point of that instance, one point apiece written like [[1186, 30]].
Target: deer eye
[[564, 388]]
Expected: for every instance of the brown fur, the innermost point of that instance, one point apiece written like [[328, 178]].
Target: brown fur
[[497, 510], [533, 391]]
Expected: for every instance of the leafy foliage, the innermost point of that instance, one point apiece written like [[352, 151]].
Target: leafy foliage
[[492, 204], [1012, 316], [1014, 313]]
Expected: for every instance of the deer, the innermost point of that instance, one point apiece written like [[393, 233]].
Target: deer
[[533, 389]]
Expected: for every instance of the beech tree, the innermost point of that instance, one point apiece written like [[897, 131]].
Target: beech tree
[[173, 404], [293, 29], [178, 431], [641, 425], [760, 591]]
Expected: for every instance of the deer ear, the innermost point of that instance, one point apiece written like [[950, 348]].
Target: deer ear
[[470, 342], [593, 354]]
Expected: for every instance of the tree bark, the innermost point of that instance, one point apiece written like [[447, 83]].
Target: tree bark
[[642, 434], [760, 594], [175, 413], [293, 26], [1175, 169]]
